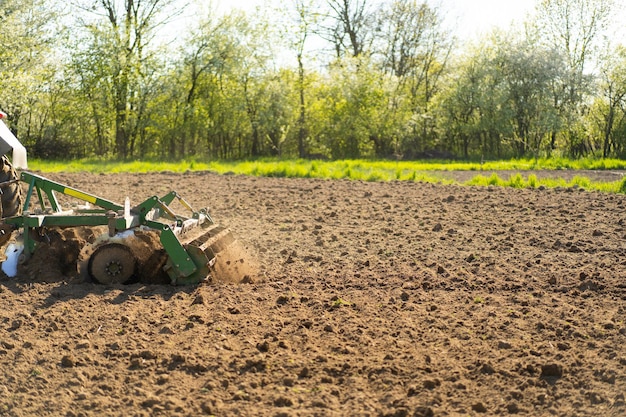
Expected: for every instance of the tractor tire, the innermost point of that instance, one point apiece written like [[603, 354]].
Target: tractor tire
[[11, 190]]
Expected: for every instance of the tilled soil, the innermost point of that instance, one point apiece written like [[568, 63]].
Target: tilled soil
[[380, 299]]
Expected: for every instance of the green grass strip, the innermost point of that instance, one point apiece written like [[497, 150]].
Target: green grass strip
[[578, 182], [362, 170]]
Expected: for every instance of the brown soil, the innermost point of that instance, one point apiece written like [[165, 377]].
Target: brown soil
[[381, 299]]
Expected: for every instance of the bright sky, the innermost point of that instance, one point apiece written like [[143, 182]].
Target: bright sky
[[468, 18], [473, 16], [480, 16]]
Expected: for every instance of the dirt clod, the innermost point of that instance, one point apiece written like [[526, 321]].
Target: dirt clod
[[551, 370], [68, 361], [479, 407]]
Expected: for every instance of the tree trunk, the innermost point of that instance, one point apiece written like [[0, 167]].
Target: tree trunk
[[302, 133]]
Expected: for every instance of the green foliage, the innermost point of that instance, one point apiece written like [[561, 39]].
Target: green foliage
[[517, 181], [494, 180], [101, 82], [622, 186]]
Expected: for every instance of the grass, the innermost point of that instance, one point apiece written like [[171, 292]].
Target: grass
[[362, 170], [578, 182]]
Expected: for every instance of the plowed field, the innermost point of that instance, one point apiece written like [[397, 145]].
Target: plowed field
[[379, 299]]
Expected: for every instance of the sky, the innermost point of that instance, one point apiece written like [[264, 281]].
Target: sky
[[477, 17], [470, 17]]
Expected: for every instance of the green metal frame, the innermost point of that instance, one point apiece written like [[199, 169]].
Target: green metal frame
[[184, 266]]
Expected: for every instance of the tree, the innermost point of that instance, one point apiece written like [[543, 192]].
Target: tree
[[121, 33], [350, 111], [416, 48], [210, 55], [473, 118], [499, 94], [253, 76], [232, 103], [305, 16], [350, 26], [27, 64], [528, 72], [574, 29], [611, 105]]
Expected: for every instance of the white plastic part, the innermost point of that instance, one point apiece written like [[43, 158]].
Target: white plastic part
[[128, 218], [10, 142], [12, 253]]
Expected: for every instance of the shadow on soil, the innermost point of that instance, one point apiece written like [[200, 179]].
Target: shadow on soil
[[73, 289]]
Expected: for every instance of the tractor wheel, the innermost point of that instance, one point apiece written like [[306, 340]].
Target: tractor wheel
[[11, 191], [112, 263]]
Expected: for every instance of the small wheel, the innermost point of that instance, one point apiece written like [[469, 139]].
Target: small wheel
[[112, 263]]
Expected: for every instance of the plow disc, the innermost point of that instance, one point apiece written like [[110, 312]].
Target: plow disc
[[228, 258]]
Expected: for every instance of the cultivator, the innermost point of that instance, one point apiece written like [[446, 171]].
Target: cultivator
[[144, 240]]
